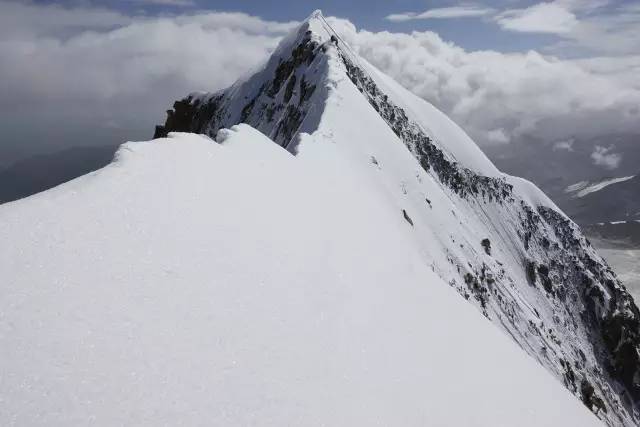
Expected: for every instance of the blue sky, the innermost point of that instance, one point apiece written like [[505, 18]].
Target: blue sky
[[470, 32]]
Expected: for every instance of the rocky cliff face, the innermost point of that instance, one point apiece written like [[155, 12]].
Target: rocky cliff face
[[275, 103], [510, 251]]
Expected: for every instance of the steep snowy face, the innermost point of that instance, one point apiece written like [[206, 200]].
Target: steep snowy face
[[184, 284], [280, 100], [496, 239]]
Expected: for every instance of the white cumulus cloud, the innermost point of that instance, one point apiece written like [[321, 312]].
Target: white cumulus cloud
[[66, 70], [178, 3], [68, 74], [462, 11], [584, 26], [497, 97], [602, 156], [566, 145], [539, 18]]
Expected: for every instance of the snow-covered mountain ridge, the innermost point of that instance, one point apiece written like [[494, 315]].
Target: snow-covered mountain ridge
[[195, 283], [499, 241]]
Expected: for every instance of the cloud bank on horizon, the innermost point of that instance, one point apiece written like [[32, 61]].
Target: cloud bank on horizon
[[105, 69], [585, 26], [462, 11]]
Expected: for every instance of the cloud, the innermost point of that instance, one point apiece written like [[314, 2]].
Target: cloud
[[615, 31], [73, 76], [603, 157], [68, 74], [462, 11], [581, 27], [99, 54], [539, 18], [498, 97], [27, 21], [566, 145], [584, 26], [178, 3], [498, 135]]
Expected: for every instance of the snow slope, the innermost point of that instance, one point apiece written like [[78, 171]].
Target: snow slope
[[321, 284], [496, 239], [196, 283]]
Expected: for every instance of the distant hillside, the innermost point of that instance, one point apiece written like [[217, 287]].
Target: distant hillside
[[588, 193], [611, 200], [41, 172]]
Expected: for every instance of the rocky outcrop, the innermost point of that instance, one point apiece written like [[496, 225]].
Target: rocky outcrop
[[180, 119], [276, 108]]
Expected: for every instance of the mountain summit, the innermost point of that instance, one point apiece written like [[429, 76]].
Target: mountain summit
[[496, 239], [306, 260]]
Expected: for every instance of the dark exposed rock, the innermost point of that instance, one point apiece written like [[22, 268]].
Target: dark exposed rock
[[586, 391], [288, 92], [289, 124], [609, 307], [531, 272], [486, 244], [406, 216], [461, 180], [569, 375], [272, 105], [303, 53], [590, 399], [306, 90], [160, 132], [547, 284], [179, 119], [246, 111]]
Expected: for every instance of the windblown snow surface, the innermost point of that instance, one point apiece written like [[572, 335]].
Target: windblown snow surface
[[335, 263], [196, 283], [496, 239]]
